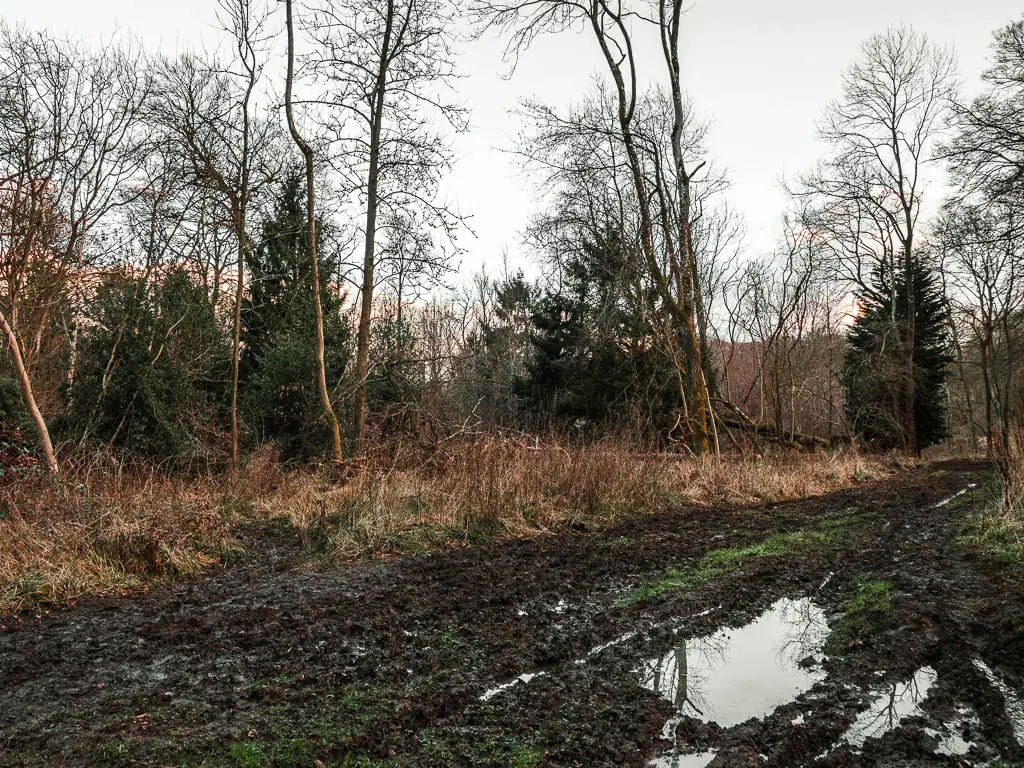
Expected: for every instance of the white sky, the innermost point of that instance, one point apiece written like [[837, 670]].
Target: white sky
[[761, 70]]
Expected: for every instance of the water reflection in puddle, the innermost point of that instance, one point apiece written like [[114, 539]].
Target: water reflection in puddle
[[890, 706], [736, 674], [951, 737], [672, 760]]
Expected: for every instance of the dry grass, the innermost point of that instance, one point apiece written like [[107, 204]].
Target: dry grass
[[492, 488], [116, 528], [108, 528]]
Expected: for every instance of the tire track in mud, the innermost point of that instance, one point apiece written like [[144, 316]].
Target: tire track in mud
[[388, 661]]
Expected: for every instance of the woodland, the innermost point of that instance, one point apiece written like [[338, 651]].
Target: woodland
[[282, 482]]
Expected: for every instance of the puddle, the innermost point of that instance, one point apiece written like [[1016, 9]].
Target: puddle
[[959, 493], [890, 706], [595, 651], [736, 674], [951, 738], [605, 646], [696, 760], [523, 678], [1012, 702]]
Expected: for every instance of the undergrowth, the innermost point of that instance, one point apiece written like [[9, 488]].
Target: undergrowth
[[996, 532], [119, 527]]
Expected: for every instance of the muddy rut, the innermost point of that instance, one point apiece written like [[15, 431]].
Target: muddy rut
[[846, 630]]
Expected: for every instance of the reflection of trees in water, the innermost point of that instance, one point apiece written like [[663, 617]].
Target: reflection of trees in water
[[674, 677], [681, 675], [894, 703], [807, 629]]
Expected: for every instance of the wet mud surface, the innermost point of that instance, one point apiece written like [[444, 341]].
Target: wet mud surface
[[876, 640]]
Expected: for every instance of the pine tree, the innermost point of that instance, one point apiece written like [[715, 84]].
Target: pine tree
[[278, 367], [874, 371], [592, 357], [152, 366]]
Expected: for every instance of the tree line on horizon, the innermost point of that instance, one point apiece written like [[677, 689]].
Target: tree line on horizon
[[196, 259]]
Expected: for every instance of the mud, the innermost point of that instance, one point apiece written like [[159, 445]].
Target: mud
[[391, 662]]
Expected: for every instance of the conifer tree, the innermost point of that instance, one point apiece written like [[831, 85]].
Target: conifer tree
[[875, 365], [278, 366]]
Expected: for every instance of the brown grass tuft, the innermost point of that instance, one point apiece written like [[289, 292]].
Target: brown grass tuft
[[115, 527], [107, 528], [492, 488]]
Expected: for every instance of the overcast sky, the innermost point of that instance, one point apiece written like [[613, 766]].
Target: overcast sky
[[761, 71]]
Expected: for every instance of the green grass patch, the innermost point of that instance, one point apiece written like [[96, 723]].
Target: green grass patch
[[510, 753], [721, 561], [989, 530], [296, 742], [866, 611], [292, 752], [498, 747], [996, 535]]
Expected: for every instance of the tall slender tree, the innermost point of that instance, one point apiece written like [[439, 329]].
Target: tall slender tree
[[208, 112], [311, 243], [386, 67], [867, 194]]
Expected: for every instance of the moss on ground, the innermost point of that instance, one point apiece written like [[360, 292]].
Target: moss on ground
[[866, 612], [721, 561]]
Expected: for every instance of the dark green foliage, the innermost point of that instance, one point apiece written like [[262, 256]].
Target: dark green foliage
[[397, 378], [875, 373], [152, 366], [12, 410], [503, 347], [279, 399], [593, 359]]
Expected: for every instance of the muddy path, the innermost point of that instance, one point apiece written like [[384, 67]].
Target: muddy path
[[847, 630]]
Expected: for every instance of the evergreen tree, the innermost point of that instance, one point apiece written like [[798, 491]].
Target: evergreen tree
[[278, 367], [593, 359], [152, 366], [500, 350], [874, 371]]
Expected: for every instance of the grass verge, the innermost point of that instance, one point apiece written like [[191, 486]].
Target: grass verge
[[996, 533]]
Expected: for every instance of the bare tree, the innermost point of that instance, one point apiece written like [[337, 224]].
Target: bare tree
[[386, 68], [982, 251], [661, 188], [685, 265], [70, 139], [867, 195], [318, 310], [781, 324], [208, 112], [987, 150]]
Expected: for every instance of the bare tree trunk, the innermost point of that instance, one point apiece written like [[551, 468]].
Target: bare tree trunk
[[690, 300], [910, 393], [986, 378], [26, 390], [236, 336], [369, 257], [307, 152]]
